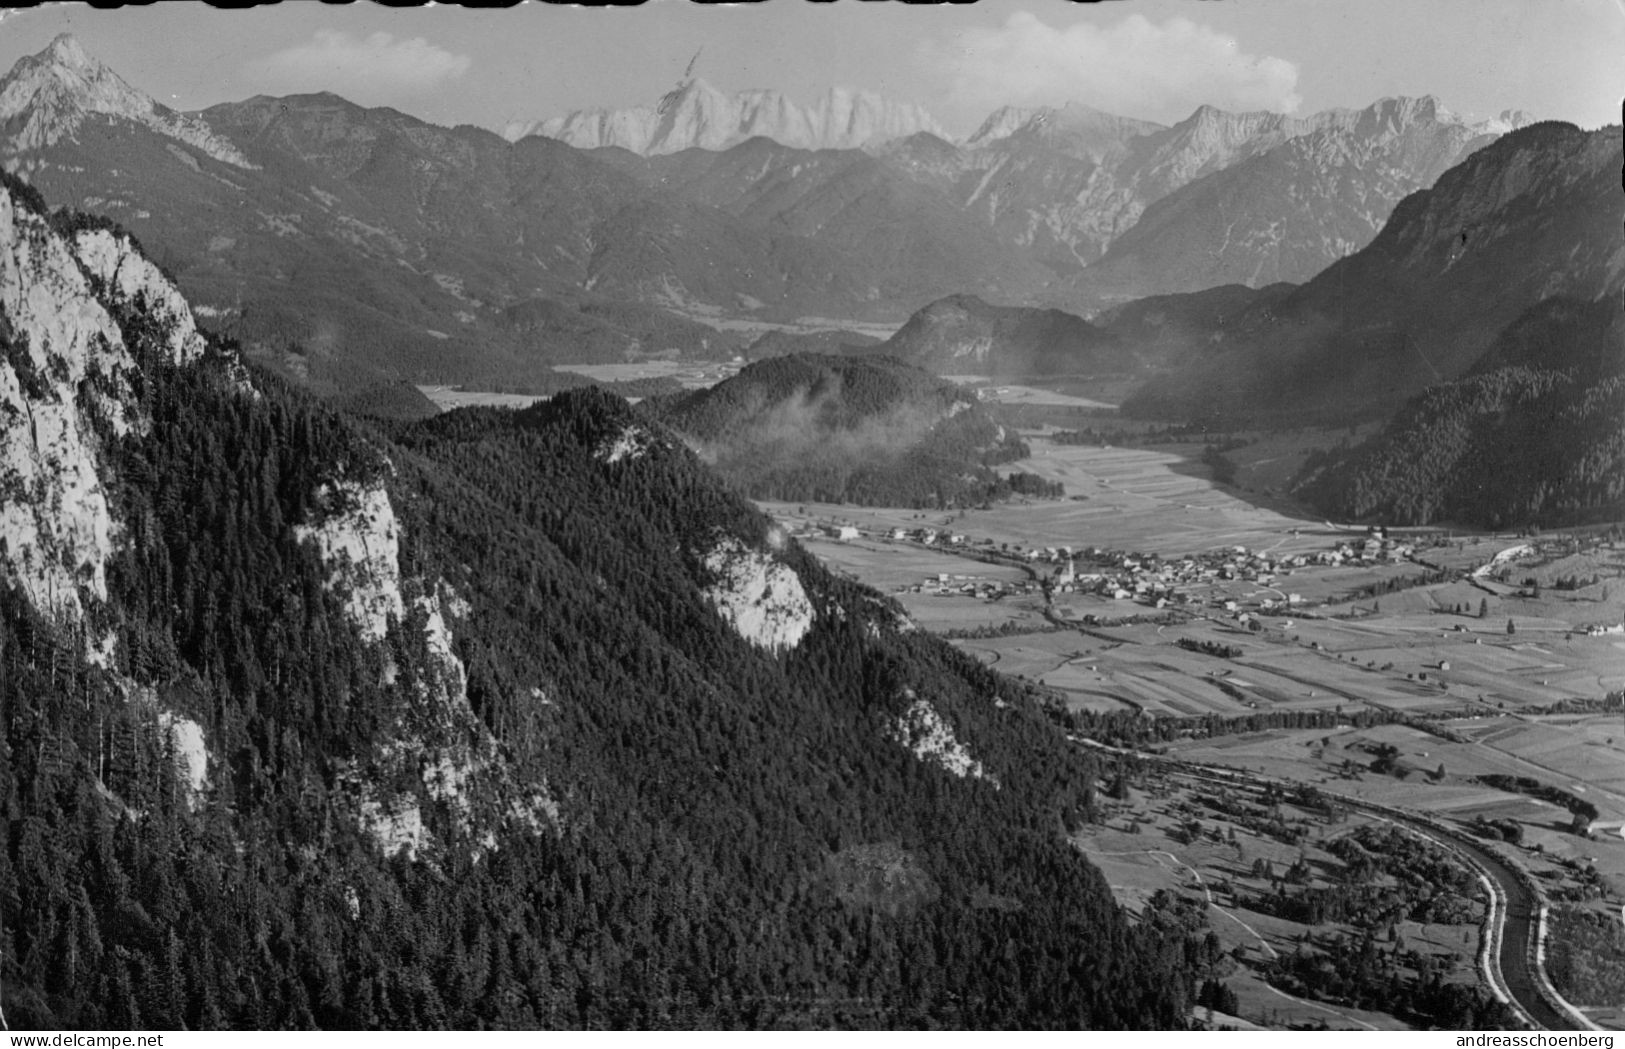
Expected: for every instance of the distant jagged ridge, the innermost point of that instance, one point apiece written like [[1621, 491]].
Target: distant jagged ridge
[[1532, 216], [698, 116], [1288, 212], [1069, 183]]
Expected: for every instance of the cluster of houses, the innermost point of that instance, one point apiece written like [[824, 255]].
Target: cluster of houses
[[1376, 548], [928, 536], [947, 585], [1163, 582], [1188, 582], [924, 536]]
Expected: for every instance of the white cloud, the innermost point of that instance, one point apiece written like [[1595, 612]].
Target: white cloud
[[377, 67], [1134, 68]]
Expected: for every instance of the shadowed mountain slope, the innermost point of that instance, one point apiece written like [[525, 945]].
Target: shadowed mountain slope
[[1534, 216]]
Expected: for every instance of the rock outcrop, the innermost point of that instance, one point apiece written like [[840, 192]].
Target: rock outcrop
[[760, 597], [923, 731], [65, 377]]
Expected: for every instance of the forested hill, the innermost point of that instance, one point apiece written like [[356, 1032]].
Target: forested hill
[[492, 720], [963, 335], [870, 430], [1535, 434]]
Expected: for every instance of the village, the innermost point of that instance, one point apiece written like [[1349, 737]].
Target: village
[[1423, 668], [1233, 580]]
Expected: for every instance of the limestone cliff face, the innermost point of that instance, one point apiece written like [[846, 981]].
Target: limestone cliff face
[[66, 376], [761, 598], [922, 730], [435, 738], [81, 313]]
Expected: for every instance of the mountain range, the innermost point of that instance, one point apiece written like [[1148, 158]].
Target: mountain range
[[1533, 217], [497, 719], [696, 115], [1327, 190], [1065, 182], [348, 247], [1305, 268], [530, 719]]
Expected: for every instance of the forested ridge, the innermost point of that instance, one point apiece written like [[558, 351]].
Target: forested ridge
[[714, 804], [870, 430], [1535, 434]]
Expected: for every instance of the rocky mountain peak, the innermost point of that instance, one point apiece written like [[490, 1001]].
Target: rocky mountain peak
[[1308, 190], [66, 51], [1214, 125], [865, 117], [696, 115], [1396, 114], [695, 93], [1073, 128], [48, 96], [1505, 121], [1003, 122], [1494, 195]]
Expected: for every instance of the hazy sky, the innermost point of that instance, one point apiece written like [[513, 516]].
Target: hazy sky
[[1156, 59]]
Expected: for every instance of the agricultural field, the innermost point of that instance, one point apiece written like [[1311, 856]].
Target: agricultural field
[[1117, 498], [1055, 395], [1033, 395], [913, 575], [714, 317], [1573, 757], [448, 397], [1460, 680], [692, 374]]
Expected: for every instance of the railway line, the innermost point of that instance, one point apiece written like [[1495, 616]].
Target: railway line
[[1514, 928], [1513, 931]]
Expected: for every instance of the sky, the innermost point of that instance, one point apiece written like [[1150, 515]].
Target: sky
[[1151, 59]]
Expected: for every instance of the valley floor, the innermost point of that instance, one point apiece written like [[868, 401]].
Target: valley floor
[[1503, 675]]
